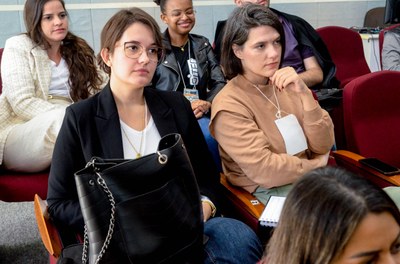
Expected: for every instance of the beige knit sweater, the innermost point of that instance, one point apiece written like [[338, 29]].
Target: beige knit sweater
[[252, 149]]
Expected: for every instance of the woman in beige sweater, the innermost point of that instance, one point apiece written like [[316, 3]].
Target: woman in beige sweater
[[268, 125]]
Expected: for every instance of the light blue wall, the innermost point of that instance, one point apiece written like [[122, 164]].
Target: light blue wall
[[88, 17]]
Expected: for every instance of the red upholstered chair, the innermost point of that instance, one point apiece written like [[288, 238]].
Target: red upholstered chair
[[18, 187], [347, 52], [14, 186], [372, 123], [382, 37]]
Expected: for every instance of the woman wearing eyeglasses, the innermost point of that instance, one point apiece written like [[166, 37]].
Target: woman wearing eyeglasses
[[127, 120]]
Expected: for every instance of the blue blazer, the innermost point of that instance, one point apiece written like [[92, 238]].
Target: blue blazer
[[92, 128]]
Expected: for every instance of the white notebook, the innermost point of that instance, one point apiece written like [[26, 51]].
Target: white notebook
[[272, 211]]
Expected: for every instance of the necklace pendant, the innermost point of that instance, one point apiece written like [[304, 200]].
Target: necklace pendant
[[183, 48], [138, 155]]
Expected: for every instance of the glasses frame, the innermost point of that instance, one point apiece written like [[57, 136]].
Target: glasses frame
[[160, 51]]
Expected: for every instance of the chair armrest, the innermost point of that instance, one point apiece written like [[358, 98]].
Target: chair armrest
[[350, 161], [242, 198], [48, 231]]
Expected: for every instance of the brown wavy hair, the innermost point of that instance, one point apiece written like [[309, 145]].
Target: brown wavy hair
[[84, 78]]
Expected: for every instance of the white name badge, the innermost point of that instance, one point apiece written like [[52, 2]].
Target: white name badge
[[292, 133], [193, 72], [191, 94]]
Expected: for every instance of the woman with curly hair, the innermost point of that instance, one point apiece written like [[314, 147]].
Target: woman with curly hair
[[43, 71]]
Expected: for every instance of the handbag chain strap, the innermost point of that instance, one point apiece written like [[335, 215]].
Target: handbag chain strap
[[110, 232]]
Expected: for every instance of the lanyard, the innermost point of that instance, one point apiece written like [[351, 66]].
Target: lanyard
[[180, 69]]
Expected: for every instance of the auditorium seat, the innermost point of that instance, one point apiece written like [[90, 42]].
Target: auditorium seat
[[347, 52], [372, 124]]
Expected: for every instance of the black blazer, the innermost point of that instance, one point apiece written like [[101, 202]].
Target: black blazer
[[92, 128]]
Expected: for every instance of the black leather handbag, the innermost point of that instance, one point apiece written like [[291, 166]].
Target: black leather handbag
[[146, 210]]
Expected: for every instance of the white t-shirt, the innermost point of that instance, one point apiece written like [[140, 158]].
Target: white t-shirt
[[59, 79]]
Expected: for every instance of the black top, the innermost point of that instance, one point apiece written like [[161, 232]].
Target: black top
[[182, 56], [210, 76]]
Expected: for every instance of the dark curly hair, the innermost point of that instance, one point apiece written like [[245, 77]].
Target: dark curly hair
[[161, 3], [79, 56]]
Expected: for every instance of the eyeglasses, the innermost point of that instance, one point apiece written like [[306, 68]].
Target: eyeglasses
[[179, 13], [134, 50]]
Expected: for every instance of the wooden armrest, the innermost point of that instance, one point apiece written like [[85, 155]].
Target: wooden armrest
[[249, 202], [349, 160], [47, 230]]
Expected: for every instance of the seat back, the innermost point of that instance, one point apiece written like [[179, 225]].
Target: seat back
[[374, 17], [347, 52], [382, 37], [1, 83], [372, 116], [47, 229]]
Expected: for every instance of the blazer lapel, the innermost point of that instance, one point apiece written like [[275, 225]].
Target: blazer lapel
[[109, 127], [161, 112], [108, 124], [43, 66]]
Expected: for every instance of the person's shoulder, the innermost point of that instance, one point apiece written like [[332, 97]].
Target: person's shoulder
[[391, 33], [171, 100], [83, 107], [169, 97], [283, 14], [233, 98], [230, 91], [199, 38], [219, 28], [290, 17], [394, 31], [19, 41], [221, 24]]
